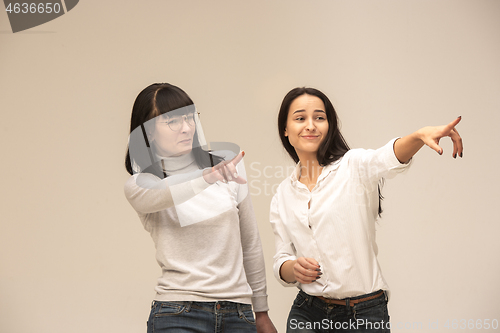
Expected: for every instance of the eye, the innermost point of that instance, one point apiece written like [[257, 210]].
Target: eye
[[299, 118], [174, 121], [320, 118]]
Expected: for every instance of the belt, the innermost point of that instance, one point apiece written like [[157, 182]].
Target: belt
[[352, 302]]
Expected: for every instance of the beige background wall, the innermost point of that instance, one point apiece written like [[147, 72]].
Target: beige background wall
[[73, 254]]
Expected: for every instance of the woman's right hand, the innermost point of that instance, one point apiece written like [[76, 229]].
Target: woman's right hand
[[306, 270], [303, 270], [225, 171]]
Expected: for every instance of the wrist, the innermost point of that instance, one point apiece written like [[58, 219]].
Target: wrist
[[209, 176], [286, 271], [419, 135]]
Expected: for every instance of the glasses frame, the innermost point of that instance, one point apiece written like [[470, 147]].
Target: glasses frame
[[185, 119]]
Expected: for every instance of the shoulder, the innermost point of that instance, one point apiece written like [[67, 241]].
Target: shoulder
[[141, 180], [131, 181], [355, 152]]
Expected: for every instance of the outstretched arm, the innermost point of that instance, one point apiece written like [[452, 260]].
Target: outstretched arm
[[409, 145]]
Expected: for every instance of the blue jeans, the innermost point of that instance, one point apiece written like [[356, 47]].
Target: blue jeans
[[201, 317], [310, 314]]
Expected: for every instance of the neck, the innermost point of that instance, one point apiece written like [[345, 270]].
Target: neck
[[309, 167], [175, 164]]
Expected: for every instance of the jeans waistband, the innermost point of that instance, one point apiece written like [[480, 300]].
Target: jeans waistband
[[213, 307], [345, 301]]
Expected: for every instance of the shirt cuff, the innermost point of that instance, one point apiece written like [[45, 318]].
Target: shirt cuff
[[259, 303], [392, 163], [277, 266]]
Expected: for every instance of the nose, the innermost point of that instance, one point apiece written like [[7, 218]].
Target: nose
[[310, 126], [185, 126]]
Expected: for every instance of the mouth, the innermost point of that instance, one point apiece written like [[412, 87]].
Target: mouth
[[310, 137], [183, 142]]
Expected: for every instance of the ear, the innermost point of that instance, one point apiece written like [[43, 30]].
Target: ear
[[286, 134]]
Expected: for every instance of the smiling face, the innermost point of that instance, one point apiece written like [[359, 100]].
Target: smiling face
[[306, 125], [168, 142]]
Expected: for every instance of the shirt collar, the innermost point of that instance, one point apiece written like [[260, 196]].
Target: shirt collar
[[294, 177]]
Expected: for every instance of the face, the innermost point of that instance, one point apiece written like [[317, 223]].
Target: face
[[306, 125], [173, 136]]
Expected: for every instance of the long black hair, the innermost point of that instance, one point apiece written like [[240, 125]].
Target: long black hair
[[154, 100], [333, 147]]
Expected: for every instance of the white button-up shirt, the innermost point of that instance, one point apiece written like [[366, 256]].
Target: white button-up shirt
[[338, 230]]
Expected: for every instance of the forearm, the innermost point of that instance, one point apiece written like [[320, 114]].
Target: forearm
[[253, 256], [148, 194], [406, 147], [261, 314], [286, 271]]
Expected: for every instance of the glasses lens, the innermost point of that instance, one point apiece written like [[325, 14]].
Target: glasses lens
[[175, 123], [190, 119]]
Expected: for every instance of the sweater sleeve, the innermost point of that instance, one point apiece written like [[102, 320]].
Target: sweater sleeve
[[284, 247], [148, 194], [253, 257]]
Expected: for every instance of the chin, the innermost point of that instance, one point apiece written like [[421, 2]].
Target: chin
[[184, 151]]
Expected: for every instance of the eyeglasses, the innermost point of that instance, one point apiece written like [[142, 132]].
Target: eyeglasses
[[175, 122]]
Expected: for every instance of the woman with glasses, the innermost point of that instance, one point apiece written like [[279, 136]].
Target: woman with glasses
[[323, 216], [195, 205]]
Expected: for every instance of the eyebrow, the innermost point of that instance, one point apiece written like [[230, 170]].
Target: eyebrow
[[294, 112]]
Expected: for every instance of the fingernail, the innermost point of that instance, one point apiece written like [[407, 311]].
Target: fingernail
[[461, 154], [235, 175], [243, 154], [459, 116], [320, 273], [318, 269], [455, 156]]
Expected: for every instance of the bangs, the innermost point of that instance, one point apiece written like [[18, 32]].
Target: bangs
[[166, 100], [179, 112]]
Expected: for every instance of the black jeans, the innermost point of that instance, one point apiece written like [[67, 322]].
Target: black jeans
[[310, 314]]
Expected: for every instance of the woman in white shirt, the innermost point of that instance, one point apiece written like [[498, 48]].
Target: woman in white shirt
[[324, 214], [194, 203]]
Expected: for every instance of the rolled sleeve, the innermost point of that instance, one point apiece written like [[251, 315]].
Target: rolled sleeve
[[277, 267]]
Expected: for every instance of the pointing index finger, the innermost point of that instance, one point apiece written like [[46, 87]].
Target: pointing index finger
[[454, 122], [238, 158]]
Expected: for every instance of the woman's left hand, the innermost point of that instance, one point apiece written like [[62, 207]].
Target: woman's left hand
[[264, 323], [432, 134]]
